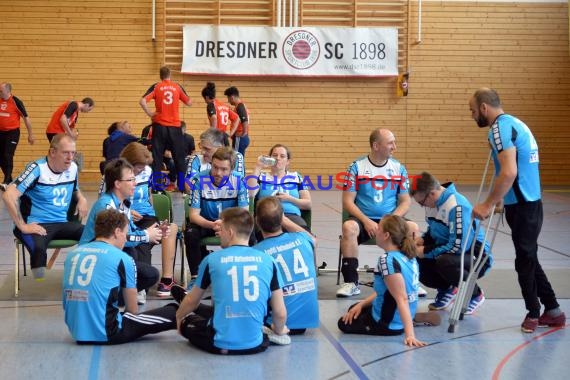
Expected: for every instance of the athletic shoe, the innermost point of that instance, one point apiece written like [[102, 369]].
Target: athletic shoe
[[178, 293], [474, 303], [529, 324], [141, 297], [163, 290], [3, 186], [422, 292], [170, 188], [39, 273], [546, 320], [281, 340], [444, 298], [348, 289]]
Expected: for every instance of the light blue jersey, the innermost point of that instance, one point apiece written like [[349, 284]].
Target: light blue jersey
[[384, 306], [212, 199], [291, 184], [93, 276], [46, 194], [508, 132], [242, 280], [448, 225], [377, 187], [294, 254], [196, 164], [135, 235]]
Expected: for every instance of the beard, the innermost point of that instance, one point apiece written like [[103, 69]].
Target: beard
[[482, 121]]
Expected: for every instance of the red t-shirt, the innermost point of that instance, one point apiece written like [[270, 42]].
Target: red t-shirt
[[167, 96], [223, 112], [11, 111], [71, 111], [243, 114]]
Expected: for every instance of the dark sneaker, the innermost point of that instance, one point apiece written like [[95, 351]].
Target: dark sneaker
[[163, 290], [178, 293], [546, 320], [529, 325], [444, 298], [475, 302]]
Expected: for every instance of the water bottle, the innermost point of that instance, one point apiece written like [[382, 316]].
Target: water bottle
[[267, 161]]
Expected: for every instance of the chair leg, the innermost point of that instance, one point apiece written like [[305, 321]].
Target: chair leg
[[53, 258], [339, 261], [183, 278], [23, 257], [17, 270]]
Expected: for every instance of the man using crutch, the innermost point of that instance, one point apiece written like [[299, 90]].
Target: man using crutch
[[517, 184]]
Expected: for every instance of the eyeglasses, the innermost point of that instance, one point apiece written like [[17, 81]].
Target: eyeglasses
[[423, 201], [132, 179]]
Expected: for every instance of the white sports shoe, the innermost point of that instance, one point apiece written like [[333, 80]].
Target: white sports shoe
[[422, 292], [348, 289], [281, 340], [141, 297]]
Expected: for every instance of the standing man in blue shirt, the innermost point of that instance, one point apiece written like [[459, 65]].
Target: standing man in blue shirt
[[94, 275], [213, 191], [41, 200], [375, 185], [295, 257], [517, 186], [244, 282]]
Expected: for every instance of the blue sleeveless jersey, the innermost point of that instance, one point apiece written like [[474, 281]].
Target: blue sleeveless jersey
[[294, 255], [377, 187], [46, 195], [93, 276], [212, 199], [384, 306], [242, 279], [508, 132], [291, 184]]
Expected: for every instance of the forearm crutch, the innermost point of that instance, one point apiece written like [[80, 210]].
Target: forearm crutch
[[477, 262]]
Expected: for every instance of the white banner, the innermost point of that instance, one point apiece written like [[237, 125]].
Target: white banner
[[269, 51]]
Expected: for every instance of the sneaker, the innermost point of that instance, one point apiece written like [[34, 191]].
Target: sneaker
[[178, 293], [39, 273], [163, 290], [475, 302], [529, 325], [348, 289], [546, 320], [170, 188], [281, 340], [191, 283], [141, 297], [422, 292], [444, 298]]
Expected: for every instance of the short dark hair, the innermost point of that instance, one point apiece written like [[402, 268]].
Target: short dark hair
[[225, 154], [209, 91], [269, 214], [238, 219], [107, 220], [487, 96], [231, 91], [423, 184], [164, 72], [114, 171], [90, 102]]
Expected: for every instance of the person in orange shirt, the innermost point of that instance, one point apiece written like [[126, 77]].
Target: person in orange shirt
[[11, 110], [65, 117], [240, 136], [166, 131], [219, 113]]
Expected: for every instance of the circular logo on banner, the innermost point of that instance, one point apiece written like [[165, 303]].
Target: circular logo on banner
[[301, 49]]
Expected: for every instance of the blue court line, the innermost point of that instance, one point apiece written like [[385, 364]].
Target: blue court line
[[344, 354], [95, 361]]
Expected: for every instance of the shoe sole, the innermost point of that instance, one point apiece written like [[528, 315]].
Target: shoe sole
[[434, 308], [347, 295], [163, 294]]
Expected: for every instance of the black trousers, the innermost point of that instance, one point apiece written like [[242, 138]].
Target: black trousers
[[137, 325], [194, 252], [37, 244], [8, 143], [196, 328], [168, 138], [525, 221], [365, 324], [147, 275]]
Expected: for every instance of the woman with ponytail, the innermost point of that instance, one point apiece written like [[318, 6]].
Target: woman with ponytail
[[391, 309]]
